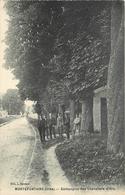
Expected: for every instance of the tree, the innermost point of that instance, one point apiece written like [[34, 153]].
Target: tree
[[55, 94], [69, 42], [82, 52], [32, 30], [116, 140], [12, 102]]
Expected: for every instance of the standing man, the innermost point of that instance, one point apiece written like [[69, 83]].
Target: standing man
[[46, 127], [67, 125], [76, 124], [53, 126], [42, 128], [50, 125], [60, 125]]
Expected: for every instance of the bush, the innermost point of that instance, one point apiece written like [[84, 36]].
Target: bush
[[85, 161]]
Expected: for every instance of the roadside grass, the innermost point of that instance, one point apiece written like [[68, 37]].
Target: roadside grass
[[51, 142], [6, 119], [85, 162]]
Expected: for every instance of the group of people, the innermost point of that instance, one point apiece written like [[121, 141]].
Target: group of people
[[52, 126]]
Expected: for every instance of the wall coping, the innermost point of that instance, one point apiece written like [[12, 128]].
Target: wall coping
[[104, 88]]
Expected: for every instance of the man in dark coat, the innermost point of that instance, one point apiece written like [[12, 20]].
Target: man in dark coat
[[52, 123], [42, 128], [67, 125]]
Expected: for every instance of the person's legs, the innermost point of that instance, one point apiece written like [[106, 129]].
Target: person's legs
[[59, 130], [47, 133], [74, 130], [50, 131], [43, 134], [67, 132], [53, 129], [40, 134], [79, 128]]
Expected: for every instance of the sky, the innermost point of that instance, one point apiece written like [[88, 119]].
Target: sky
[[7, 80]]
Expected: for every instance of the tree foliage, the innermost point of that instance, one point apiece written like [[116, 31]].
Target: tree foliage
[[31, 34], [63, 41], [12, 103], [83, 46], [56, 93]]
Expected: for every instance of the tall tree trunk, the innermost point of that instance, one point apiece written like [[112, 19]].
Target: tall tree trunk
[[115, 82], [87, 115], [72, 113]]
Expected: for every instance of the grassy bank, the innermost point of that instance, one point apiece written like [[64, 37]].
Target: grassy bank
[[7, 119], [86, 162]]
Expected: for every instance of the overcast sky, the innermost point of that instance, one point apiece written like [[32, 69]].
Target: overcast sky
[[7, 80]]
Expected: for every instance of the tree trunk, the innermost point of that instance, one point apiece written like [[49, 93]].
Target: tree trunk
[[87, 115], [72, 113], [115, 83]]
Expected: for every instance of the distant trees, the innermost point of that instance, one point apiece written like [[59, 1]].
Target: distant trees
[[12, 103]]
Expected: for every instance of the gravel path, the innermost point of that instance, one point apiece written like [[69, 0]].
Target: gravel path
[[56, 174], [45, 170], [35, 173], [24, 160], [16, 146]]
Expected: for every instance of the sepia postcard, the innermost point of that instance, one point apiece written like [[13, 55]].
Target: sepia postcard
[[62, 97]]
